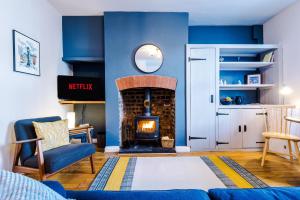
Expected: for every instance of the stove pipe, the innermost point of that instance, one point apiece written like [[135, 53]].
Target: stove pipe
[[147, 102]]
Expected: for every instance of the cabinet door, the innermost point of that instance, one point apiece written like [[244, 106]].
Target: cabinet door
[[253, 127], [229, 129], [201, 109]]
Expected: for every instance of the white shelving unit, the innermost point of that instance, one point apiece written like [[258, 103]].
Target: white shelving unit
[[229, 127], [269, 70]]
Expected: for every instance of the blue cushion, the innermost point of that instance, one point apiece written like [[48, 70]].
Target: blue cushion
[[138, 195], [58, 158], [292, 193], [132, 195], [57, 187], [81, 136], [24, 130]]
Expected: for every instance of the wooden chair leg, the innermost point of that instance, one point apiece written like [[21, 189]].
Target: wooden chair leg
[[41, 163], [290, 150], [266, 148], [92, 164], [297, 149], [16, 156]]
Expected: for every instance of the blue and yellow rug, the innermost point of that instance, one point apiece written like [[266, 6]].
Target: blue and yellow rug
[[161, 173]]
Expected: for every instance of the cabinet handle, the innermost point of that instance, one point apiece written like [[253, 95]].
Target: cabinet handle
[[211, 98], [197, 138], [245, 128], [261, 113], [217, 113], [260, 142], [218, 143], [195, 59], [240, 128]]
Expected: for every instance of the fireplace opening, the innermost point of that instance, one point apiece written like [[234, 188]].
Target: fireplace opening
[[147, 126], [147, 115]]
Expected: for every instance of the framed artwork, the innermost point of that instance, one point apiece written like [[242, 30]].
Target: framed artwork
[[26, 54], [254, 79]]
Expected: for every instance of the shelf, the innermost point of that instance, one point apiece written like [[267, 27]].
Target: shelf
[[81, 102], [245, 50], [254, 106], [246, 87], [244, 106], [244, 65], [83, 59]]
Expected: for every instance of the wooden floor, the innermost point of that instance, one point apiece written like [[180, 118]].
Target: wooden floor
[[276, 172]]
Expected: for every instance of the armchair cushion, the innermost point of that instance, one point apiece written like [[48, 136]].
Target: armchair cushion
[[55, 134], [60, 157]]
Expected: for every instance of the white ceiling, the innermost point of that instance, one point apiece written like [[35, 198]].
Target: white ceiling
[[202, 12]]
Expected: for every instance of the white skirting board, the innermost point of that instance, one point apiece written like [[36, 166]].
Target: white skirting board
[[115, 149], [112, 149], [182, 149]]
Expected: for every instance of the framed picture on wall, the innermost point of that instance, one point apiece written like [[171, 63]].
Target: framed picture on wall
[[26, 54], [254, 79]]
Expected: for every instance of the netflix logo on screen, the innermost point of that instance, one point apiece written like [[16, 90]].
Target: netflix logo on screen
[[80, 88]]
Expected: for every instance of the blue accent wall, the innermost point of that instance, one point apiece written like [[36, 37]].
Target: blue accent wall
[[124, 33], [83, 38], [226, 34]]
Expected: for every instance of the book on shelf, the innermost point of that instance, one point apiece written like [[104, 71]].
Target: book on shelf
[[268, 57]]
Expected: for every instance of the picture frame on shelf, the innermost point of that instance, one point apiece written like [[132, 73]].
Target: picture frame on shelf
[[254, 79], [26, 54]]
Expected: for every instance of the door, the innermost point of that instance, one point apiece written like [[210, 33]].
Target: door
[[253, 127], [230, 133], [201, 105]]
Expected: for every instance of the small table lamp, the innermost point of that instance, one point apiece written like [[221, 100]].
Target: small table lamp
[[71, 119], [285, 91]]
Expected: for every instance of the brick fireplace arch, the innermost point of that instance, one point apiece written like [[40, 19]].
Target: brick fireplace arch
[[151, 81]]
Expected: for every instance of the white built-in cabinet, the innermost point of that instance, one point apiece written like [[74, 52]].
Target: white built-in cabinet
[[240, 128], [212, 126]]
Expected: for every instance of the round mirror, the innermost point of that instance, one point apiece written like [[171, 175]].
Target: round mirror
[[148, 58]]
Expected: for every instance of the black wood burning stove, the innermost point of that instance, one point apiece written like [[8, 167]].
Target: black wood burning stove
[[147, 126]]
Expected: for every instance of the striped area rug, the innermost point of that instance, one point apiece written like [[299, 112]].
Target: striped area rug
[[163, 173]]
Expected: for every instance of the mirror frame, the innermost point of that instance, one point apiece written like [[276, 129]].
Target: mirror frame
[[135, 53]]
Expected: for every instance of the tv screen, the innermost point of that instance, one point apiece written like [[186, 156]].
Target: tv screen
[[80, 88]]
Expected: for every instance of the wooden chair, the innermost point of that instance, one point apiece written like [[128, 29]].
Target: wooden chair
[[46, 163], [278, 126]]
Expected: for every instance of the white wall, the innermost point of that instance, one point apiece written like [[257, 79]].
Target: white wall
[[22, 95], [284, 29]]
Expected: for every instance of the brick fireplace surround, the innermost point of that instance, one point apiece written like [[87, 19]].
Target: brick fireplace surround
[[131, 104]]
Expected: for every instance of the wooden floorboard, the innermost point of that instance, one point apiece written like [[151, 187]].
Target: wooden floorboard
[[277, 171]]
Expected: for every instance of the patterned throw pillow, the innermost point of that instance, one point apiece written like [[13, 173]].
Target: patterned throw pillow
[[18, 187], [55, 134]]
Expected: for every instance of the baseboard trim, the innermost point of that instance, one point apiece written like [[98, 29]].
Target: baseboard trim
[[112, 149], [182, 149]]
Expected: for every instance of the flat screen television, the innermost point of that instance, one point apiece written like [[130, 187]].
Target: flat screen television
[[80, 88]]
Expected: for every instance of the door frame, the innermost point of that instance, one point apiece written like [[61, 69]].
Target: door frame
[[212, 144]]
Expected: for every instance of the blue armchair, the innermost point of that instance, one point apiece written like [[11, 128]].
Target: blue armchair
[[48, 162]]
